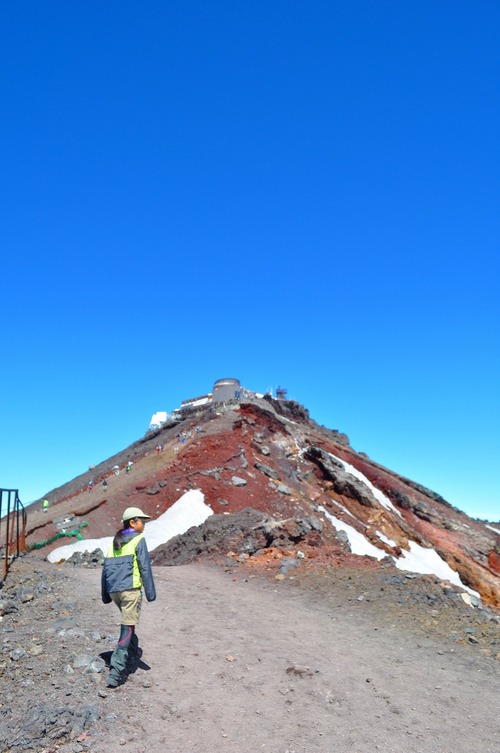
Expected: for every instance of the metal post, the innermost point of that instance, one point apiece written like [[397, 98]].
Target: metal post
[[16, 529]]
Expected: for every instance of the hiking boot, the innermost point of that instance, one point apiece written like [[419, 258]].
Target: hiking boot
[[113, 681]]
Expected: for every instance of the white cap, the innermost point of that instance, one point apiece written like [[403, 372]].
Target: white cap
[[134, 512]]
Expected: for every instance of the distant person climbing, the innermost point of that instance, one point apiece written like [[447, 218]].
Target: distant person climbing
[[126, 570], [129, 467], [45, 505], [105, 485]]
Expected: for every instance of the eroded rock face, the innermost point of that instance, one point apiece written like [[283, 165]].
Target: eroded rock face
[[245, 532], [258, 504], [289, 408], [342, 482], [494, 560], [218, 534]]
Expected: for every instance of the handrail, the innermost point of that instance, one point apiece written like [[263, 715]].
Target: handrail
[[13, 517], [46, 542]]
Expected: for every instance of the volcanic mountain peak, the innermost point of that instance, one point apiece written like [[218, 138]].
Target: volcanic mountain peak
[[279, 486]]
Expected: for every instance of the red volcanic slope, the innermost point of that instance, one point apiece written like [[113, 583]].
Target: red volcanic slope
[[270, 456]]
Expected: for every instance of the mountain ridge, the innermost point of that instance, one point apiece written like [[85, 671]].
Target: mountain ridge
[[269, 455]]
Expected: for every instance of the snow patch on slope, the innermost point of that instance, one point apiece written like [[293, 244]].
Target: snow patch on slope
[[417, 560], [359, 543], [190, 510], [427, 561]]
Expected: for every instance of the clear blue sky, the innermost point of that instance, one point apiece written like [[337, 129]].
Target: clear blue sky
[[304, 194]]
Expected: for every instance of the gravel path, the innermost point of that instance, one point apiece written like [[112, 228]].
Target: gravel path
[[240, 662]]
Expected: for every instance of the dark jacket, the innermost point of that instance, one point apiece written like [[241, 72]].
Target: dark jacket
[[128, 568]]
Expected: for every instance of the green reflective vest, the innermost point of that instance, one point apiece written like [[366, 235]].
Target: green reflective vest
[[128, 550]]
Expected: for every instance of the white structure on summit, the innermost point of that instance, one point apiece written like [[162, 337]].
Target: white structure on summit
[[158, 419], [196, 402], [226, 389]]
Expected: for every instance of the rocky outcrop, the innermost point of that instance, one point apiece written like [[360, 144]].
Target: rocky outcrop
[[343, 483], [246, 533], [289, 408]]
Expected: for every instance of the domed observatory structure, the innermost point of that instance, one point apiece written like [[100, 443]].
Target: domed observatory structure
[[225, 390]]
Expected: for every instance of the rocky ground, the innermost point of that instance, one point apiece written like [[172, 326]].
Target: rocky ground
[[250, 653]]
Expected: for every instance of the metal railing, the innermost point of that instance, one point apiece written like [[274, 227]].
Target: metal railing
[[12, 526]]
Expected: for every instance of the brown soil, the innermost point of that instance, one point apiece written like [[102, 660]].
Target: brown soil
[[345, 659]]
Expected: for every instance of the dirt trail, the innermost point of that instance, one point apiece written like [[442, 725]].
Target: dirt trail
[[241, 663]]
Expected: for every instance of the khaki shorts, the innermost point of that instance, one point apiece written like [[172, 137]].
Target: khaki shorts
[[129, 604]]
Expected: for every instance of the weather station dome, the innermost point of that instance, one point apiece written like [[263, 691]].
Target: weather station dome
[[226, 389]]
